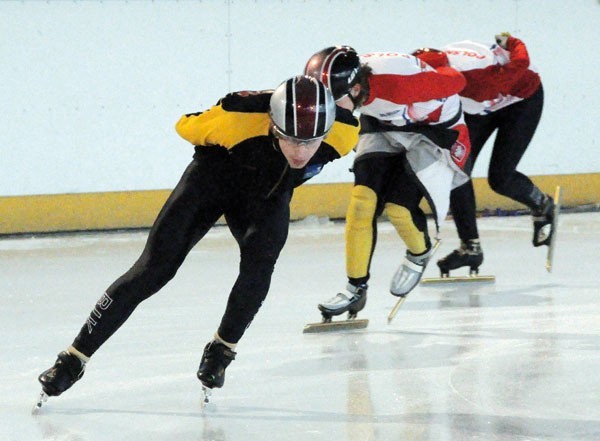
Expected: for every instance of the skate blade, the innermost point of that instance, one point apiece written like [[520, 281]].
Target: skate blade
[[38, 405], [339, 325], [458, 279], [395, 309], [206, 402], [550, 253]]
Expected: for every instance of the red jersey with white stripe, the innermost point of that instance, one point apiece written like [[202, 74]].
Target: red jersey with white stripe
[[496, 77], [404, 90]]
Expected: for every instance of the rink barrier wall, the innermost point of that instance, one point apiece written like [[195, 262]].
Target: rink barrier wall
[[138, 209]]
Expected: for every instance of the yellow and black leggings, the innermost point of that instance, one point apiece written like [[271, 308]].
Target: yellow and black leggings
[[382, 182]]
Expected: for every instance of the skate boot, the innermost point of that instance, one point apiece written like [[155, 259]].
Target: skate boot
[[352, 300], [542, 223], [410, 272], [215, 360], [60, 377], [469, 254]]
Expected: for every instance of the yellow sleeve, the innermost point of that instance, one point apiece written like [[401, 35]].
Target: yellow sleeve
[[217, 126], [343, 137]]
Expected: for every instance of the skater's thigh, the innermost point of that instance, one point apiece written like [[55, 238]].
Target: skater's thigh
[[480, 128], [376, 171], [402, 189], [261, 227], [187, 215]]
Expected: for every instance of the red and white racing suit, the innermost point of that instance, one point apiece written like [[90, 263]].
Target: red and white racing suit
[[503, 95], [496, 77], [413, 145], [416, 108]]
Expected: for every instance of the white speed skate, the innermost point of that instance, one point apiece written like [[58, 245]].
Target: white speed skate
[[410, 272], [351, 300], [408, 276]]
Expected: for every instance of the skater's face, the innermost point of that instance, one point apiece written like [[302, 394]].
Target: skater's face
[[298, 152]]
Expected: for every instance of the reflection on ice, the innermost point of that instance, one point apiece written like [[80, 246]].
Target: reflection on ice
[[514, 359]]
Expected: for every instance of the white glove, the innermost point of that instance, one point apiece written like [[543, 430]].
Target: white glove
[[502, 38]]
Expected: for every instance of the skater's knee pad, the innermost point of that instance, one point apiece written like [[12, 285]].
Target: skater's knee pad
[[359, 231], [402, 220], [363, 203]]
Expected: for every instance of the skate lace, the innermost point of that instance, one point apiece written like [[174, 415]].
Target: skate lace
[[73, 367], [219, 355]]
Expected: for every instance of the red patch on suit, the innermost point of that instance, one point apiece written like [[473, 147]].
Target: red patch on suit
[[461, 149], [435, 115], [459, 154]]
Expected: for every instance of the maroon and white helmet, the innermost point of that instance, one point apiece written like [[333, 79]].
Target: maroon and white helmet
[[337, 67], [302, 108]]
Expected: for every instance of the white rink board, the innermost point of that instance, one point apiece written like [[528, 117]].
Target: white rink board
[[91, 90]]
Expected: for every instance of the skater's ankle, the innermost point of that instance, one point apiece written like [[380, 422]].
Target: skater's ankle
[[543, 209], [356, 283], [80, 355], [418, 252], [471, 246], [219, 339]]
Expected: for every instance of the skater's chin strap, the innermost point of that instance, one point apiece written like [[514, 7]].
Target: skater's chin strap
[[218, 338]]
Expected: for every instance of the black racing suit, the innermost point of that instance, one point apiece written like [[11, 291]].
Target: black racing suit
[[237, 171]]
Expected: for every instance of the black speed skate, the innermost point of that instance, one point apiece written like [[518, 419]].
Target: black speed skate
[[543, 223], [215, 360], [66, 371], [469, 254]]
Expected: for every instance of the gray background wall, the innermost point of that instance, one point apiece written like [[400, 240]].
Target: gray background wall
[[90, 91]]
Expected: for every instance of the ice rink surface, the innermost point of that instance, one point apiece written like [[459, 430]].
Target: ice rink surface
[[518, 359]]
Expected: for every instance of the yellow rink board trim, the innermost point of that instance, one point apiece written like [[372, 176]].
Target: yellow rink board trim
[[138, 209]]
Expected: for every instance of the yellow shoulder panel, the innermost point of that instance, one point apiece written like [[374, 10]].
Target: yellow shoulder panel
[[217, 126], [343, 137]]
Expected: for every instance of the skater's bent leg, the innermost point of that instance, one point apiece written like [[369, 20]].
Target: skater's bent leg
[[464, 213], [259, 252], [245, 298], [517, 186], [515, 132], [371, 175], [462, 199], [118, 302], [361, 237], [359, 233], [402, 208], [411, 229], [261, 239], [183, 220]]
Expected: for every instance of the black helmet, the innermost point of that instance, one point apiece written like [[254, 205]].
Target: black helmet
[[336, 67], [302, 108]]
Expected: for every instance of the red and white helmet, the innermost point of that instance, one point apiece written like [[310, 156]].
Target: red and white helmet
[[302, 108]]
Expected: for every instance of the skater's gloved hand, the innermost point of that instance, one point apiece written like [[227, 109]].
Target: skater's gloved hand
[[502, 38]]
